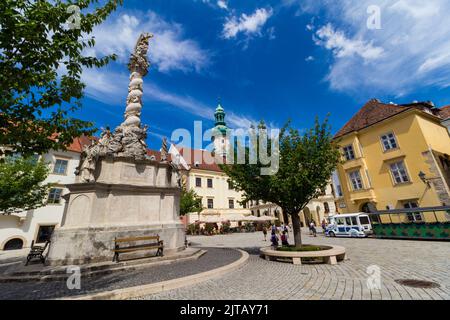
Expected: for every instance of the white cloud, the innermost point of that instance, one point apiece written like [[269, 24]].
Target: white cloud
[[111, 87], [222, 4], [309, 58], [410, 51], [247, 24], [169, 50], [343, 47]]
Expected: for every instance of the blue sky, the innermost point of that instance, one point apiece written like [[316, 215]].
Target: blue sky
[[269, 59]]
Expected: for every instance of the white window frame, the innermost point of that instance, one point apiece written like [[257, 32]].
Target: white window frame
[[60, 196], [55, 166], [345, 149], [207, 203], [412, 216], [388, 140], [354, 180], [395, 168]]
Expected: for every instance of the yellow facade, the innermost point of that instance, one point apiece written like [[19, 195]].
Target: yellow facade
[[422, 143]]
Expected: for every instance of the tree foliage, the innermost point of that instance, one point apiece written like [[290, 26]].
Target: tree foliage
[[189, 202], [306, 163], [21, 184], [41, 62]]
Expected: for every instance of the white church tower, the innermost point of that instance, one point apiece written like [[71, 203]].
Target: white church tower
[[219, 133]]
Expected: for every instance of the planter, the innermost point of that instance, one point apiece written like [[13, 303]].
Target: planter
[[330, 256]]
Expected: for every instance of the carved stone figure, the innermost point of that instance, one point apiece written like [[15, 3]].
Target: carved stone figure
[[128, 140]]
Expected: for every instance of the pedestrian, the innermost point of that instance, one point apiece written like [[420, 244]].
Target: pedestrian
[[313, 229], [274, 240], [286, 229], [324, 225], [284, 240], [264, 230]]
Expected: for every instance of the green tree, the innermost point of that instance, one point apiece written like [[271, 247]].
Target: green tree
[[306, 163], [41, 61], [189, 202], [21, 184]]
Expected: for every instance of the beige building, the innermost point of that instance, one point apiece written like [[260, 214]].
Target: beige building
[[210, 183]]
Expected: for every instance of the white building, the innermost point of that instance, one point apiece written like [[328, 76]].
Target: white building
[[20, 229]]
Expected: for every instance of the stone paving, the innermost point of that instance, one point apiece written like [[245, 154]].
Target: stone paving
[[260, 279], [212, 259]]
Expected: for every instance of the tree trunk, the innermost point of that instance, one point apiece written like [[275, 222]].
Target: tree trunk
[[297, 229]]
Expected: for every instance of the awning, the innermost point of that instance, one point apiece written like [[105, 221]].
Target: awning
[[267, 218]]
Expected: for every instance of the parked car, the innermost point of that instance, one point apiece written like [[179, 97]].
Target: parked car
[[349, 225]]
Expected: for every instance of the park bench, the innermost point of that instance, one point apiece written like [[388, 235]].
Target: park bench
[[37, 252], [127, 245]]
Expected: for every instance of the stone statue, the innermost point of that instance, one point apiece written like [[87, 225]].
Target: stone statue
[[128, 140]]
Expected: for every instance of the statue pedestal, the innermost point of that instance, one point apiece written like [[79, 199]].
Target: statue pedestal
[[129, 199]]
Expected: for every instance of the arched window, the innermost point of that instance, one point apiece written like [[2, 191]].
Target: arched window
[[326, 207], [14, 244]]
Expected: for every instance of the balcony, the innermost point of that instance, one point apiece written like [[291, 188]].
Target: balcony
[[363, 194], [355, 163]]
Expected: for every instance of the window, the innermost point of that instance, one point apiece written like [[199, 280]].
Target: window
[[231, 203], [339, 190], [348, 221], [326, 207], [198, 182], [349, 154], [399, 172], [44, 233], [412, 216], [60, 166], [354, 221], [340, 221], [210, 183], [55, 195], [230, 185], [356, 181], [210, 203], [364, 220], [388, 141]]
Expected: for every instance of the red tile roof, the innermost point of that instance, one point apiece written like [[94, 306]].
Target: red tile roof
[[199, 159], [444, 112], [78, 144], [375, 111]]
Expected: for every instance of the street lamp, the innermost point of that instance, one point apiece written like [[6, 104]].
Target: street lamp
[[424, 179]]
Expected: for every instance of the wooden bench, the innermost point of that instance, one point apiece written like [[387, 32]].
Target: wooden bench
[[37, 252], [154, 244]]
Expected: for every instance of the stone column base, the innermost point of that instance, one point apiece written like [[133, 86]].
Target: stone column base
[[77, 246]]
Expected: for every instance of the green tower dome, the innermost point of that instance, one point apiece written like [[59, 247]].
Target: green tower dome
[[220, 125]]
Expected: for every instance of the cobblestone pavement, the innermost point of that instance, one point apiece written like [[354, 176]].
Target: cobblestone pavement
[[260, 279], [212, 259]]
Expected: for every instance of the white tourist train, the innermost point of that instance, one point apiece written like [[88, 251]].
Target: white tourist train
[[349, 225]]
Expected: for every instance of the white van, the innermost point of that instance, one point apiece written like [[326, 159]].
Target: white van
[[349, 225]]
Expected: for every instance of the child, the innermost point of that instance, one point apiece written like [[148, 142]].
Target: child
[[284, 240], [264, 230]]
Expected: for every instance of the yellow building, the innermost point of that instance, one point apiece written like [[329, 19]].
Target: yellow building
[[395, 157]]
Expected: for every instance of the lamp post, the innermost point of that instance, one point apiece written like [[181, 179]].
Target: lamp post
[[424, 179]]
